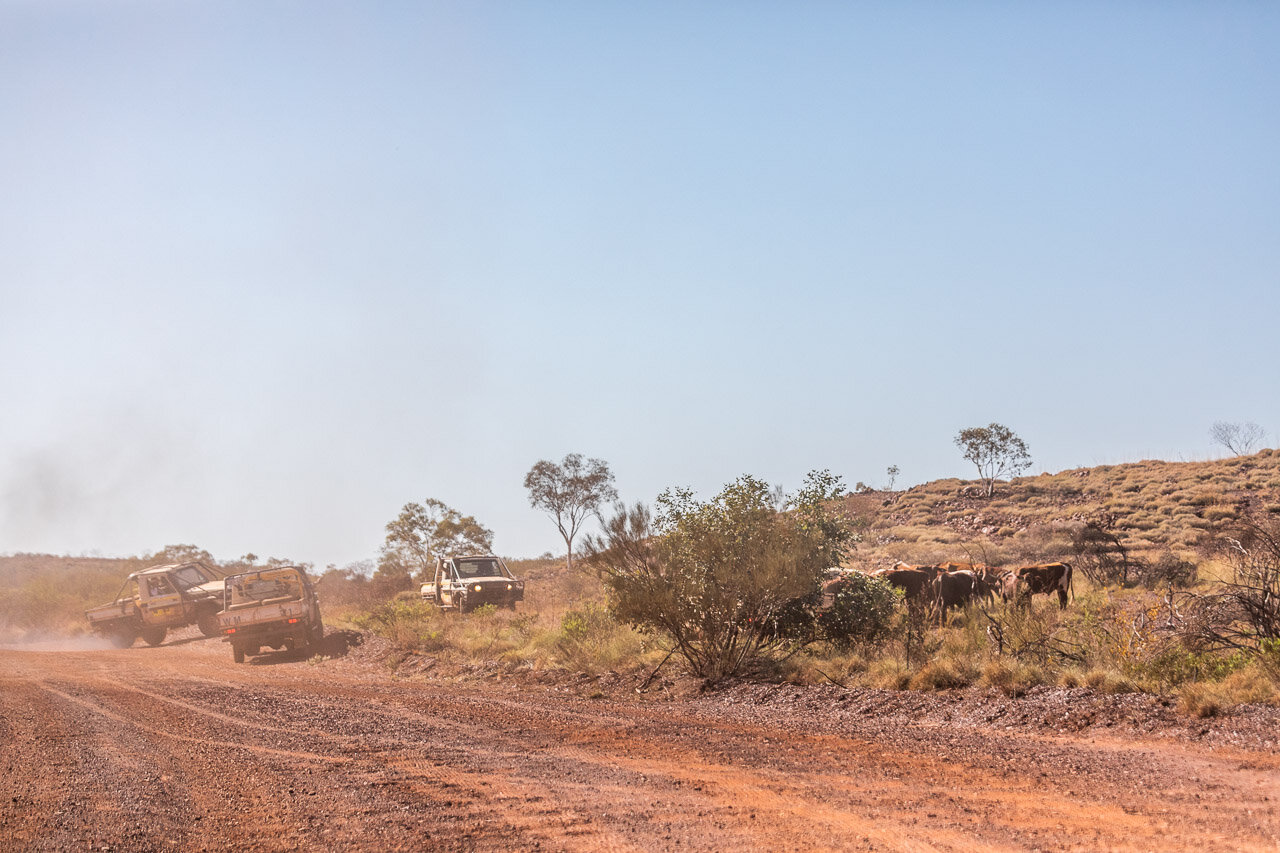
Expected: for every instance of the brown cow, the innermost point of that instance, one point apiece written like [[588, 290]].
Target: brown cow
[[914, 582], [987, 579], [951, 566], [1040, 579], [991, 578], [955, 589], [902, 565]]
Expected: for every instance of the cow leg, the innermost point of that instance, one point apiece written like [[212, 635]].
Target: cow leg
[[1062, 598]]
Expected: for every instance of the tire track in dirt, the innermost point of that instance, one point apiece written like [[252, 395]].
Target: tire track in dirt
[[441, 784], [293, 755], [992, 804], [244, 802], [1025, 809], [179, 746]]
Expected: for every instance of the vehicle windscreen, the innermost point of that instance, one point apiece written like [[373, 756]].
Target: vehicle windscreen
[[189, 576], [483, 568], [255, 588], [158, 585]]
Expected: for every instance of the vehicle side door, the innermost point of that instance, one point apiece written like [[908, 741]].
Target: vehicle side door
[[444, 585], [159, 600]]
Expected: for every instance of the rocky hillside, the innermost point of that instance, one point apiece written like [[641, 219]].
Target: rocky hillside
[[1152, 508]]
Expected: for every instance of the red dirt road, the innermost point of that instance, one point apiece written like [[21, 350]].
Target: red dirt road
[[177, 748]]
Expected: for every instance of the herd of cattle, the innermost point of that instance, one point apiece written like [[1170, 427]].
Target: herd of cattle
[[949, 585]]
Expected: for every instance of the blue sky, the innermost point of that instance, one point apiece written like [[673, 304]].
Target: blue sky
[[268, 271]]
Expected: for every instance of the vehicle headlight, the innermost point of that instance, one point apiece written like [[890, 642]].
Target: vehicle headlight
[[509, 586], [476, 587]]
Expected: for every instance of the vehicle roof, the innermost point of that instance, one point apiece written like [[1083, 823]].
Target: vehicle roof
[[156, 570], [263, 569]]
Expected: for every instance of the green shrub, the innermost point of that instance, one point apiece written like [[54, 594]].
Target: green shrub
[[586, 624], [411, 625], [1177, 665], [712, 577], [860, 611]]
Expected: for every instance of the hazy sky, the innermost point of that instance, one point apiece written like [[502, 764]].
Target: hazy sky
[[270, 270]]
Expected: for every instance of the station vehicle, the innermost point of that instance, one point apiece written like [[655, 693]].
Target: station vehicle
[[157, 599], [465, 583], [274, 608]]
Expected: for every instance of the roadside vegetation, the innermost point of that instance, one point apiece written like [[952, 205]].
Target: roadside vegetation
[[1176, 589]]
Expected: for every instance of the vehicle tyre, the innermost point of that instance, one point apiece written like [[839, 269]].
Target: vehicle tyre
[[207, 622], [317, 632], [154, 636], [237, 654]]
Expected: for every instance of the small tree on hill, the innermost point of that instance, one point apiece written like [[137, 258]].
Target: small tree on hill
[[893, 471], [421, 533], [1240, 439], [570, 493], [718, 578], [996, 451]]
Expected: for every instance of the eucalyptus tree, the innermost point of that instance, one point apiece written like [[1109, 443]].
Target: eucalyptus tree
[[996, 452], [571, 492]]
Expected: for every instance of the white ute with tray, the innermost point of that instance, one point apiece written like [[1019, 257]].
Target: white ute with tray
[[275, 608]]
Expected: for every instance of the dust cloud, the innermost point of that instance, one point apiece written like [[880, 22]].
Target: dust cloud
[[93, 488], [59, 643]]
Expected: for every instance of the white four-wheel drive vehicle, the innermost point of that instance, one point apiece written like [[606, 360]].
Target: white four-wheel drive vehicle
[[465, 583]]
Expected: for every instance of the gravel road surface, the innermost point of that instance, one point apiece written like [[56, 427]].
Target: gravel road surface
[[177, 748]]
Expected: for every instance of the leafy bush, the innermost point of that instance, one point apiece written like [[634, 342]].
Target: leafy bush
[[713, 578], [410, 624], [860, 610]]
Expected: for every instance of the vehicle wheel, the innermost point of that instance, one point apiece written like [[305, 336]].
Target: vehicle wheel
[[122, 638], [237, 654], [154, 636], [207, 622], [317, 632]]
